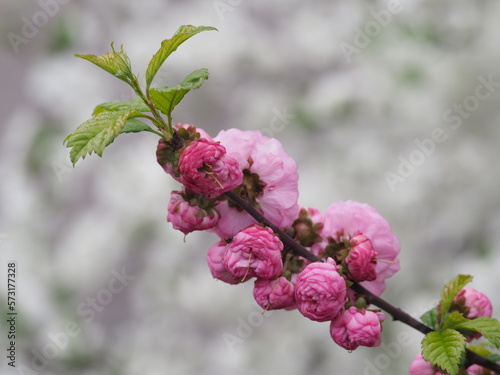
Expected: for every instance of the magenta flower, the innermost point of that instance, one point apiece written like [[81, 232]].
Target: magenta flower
[[206, 169], [420, 366], [355, 327], [344, 220], [361, 259], [320, 291], [472, 304], [274, 294], [215, 257], [270, 181], [187, 216], [478, 370], [254, 252]]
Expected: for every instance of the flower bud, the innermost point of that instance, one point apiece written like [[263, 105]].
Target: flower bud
[[361, 259], [274, 294], [215, 258]]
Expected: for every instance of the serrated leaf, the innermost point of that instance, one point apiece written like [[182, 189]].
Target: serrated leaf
[[452, 319], [167, 97], [445, 349], [170, 45], [97, 133], [488, 327], [115, 62], [430, 317], [450, 290], [136, 126], [135, 103]]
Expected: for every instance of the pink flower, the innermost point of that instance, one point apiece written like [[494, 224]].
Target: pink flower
[[254, 252], [361, 259], [355, 327], [344, 220], [472, 304], [274, 294], [215, 257], [187, 216], [206, 169], [420, 366], [477, 370], [270, 181], [320, 291]]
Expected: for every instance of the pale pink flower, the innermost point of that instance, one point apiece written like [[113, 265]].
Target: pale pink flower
[[344, 220], [187, 216], [320, 291], [420, 366], [215, 257], [206, 169], [254, 252], [472, 304], [274, 294], [270, 181], [356, 327], [361, 259]]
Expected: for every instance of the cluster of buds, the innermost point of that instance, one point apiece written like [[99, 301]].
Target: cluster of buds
[[354, 241]]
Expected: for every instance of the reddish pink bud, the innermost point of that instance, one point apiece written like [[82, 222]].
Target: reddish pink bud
[[274, 294], [215, 257], [361, 259], [187, 217], [320, 291], [206, 169], [355, 327], [254, 252]]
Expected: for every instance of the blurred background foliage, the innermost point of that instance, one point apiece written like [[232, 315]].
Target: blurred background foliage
[[347, 124]]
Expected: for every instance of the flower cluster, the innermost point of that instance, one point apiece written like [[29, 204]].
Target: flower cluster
[[353, 240]]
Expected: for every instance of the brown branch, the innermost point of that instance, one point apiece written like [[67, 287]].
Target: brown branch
[[395, 312]]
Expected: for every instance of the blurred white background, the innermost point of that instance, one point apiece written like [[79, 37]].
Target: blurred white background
[[349, 119]]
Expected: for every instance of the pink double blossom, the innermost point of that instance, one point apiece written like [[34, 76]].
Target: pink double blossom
[[420, 366], [274, 294], [186, 216], [320, 291], [344, 220], [206, 169], [270, 181], [356, 327], [215, 260], [254, 252]]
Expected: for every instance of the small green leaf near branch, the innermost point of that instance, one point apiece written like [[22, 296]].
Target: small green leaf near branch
[[445, 349]]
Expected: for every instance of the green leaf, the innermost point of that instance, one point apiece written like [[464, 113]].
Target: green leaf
[[488, 327], [479, 349], [450, 290], [494, 357], [135, 126], [116, 63], [170, 45], [452, 319], [135, 103], [97, 133], [445, 349], [430, 318], [167, 97]]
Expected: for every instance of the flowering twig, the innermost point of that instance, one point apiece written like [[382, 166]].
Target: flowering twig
[[395, 312]]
